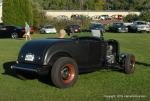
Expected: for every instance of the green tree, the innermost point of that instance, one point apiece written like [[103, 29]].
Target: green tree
[[16, 12], [99, 4], [89, 5], [145, 15], [39, 17], [81, 3], [128, 4], [131, 18], [140, 5]]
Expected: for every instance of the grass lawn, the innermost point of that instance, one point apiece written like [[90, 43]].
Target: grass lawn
[[97, 86]]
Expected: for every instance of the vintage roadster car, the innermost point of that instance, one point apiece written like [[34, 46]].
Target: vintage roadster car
[[63, 59]]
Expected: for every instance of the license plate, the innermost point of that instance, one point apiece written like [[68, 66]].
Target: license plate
[[29, 57]]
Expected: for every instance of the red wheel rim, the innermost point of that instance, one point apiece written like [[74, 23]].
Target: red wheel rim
[[67, 73]]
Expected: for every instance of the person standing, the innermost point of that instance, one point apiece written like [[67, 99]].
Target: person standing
[[27, 31]]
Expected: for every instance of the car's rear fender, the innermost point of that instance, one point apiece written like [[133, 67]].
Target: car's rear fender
[[56, 56], [51, 56]]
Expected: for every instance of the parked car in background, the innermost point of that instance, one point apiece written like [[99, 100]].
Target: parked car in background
[[105, 17], [118, 27], [48, 29], [118, 17], [79, 17], [61, 17], [12, 31], [101, 17], [96, 17], [139, 26], [73, 28], [96, 26]]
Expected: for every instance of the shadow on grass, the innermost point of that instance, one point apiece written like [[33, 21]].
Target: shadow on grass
[[24, 75], [44, 79], [144, 64]]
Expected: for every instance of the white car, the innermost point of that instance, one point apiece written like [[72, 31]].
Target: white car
[[62, 17], [48, 30]]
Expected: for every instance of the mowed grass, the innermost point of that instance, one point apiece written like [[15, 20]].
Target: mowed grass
[[102, 85]]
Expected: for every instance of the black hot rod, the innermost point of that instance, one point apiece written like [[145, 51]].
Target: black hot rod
[[64, 59]]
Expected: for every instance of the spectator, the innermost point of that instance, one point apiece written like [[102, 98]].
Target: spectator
[[27, 31], [62, 33]]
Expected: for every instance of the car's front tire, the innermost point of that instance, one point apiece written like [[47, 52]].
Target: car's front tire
[[64, 72], [14, 35]]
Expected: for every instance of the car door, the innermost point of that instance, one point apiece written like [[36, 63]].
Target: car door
[[97, 51]]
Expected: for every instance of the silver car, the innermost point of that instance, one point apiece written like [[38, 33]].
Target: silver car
[[48, 30], [140, 26]]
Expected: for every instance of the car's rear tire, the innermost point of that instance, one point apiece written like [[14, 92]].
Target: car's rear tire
[[64, 72], [129, 63], [14, 35]]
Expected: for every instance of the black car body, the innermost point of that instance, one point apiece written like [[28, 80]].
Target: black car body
[[74, 28], [10, 31], [63, 59], [118, 27]]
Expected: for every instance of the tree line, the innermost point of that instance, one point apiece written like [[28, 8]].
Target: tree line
[[17, 12], [139, 5]]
